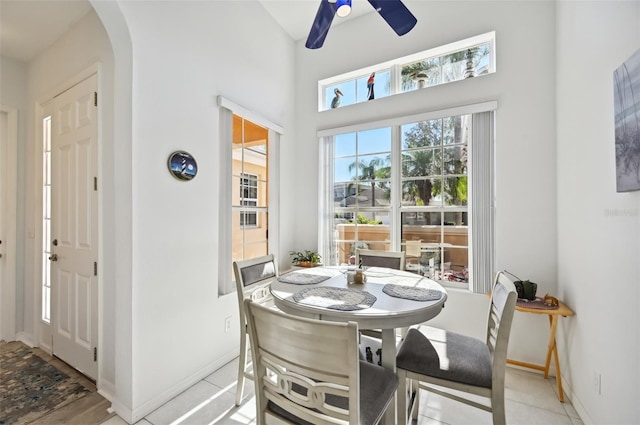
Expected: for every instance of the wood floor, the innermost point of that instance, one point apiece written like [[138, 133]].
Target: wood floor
[[88, 410]]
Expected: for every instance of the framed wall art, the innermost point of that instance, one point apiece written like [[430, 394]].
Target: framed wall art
[[626, 96], [182, 165]]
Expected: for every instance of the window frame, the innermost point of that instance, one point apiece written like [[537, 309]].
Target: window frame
[[45, 251], [226, 110], [486, 203]]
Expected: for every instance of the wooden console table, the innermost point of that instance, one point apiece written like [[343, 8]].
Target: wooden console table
[[553, 314]]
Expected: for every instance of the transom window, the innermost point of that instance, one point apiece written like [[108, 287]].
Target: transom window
[[467, 58]]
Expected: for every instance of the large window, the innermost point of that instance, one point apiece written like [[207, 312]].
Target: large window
[[409, 185]]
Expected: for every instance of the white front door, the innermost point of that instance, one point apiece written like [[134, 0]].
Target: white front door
[[74, 226]]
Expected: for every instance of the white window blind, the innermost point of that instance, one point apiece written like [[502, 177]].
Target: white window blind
[[482, 198]]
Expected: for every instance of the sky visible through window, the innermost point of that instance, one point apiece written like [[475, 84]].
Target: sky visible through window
[[367, 144]]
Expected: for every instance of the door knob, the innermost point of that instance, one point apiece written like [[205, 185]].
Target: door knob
[[53, 257]]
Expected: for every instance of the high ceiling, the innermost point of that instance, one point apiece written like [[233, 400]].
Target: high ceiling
[[296, 16], [28, 27]]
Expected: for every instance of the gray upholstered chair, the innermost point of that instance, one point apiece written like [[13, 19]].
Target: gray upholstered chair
[[430, 356], [308, 371], [253, 277], [374, 258]]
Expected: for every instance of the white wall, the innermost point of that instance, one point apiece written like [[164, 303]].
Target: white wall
[[13, 93], [598, 229], [184, 55], [524, 86]]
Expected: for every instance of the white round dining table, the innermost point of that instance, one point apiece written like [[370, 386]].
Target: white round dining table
[[387, 312]]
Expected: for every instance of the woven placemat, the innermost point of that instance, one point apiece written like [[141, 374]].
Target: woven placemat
[[335, 298], [412, 292], [300, 278]]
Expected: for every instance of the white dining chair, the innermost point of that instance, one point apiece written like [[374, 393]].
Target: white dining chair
[[307, 371], [378, 258], [430, 357], [412, 249], [253, 277]]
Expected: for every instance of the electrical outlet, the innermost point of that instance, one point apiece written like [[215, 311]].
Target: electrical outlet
[[227, 324], [597, 382]]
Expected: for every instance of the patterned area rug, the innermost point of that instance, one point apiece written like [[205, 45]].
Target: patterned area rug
[[30, 387]]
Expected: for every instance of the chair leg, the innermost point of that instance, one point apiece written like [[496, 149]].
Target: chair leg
[[415, 385], [242, 364], [408, 399], [497, 407], [401, 411]]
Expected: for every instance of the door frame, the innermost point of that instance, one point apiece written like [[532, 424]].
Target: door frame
[[41, 329], [10, 193]]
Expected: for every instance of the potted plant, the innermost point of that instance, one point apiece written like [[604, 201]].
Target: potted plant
[[305, 258]]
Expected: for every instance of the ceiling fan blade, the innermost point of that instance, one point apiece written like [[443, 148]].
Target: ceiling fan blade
[[396, 14], [321, 24]]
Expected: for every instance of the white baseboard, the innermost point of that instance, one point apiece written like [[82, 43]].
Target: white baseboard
[[132, 416], [47, 348], [566, 386], [575, 402], [25, 338], [106, 389], [121, 410]]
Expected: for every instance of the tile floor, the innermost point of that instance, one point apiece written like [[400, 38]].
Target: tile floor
[[530, 400]]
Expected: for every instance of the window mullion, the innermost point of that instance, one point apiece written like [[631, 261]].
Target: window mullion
[[396, 187], [396, 79]]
